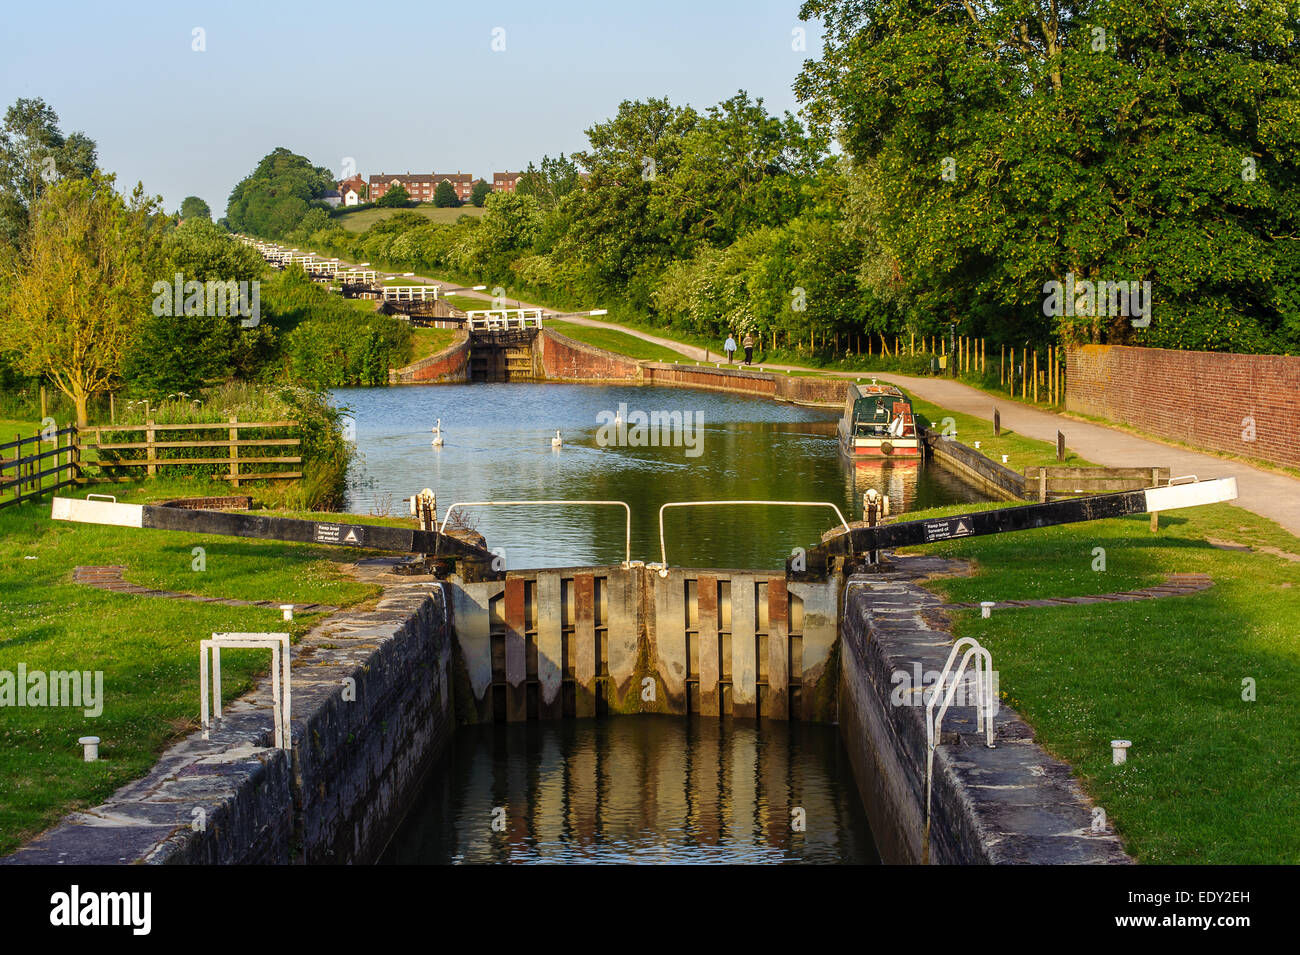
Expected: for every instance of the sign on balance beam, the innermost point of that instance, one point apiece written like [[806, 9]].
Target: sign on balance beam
[[867, 540], [402, 540]]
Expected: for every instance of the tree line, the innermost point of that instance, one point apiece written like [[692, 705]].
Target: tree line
[[961, 165], [87, 274]]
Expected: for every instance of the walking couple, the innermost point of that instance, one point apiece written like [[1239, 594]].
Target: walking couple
[[729, 346]]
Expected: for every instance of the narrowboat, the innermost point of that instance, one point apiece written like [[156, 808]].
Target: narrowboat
[[878, 423]]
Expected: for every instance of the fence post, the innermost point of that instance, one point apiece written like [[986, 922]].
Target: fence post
[[1035, 376], [1060, 446], [74, 458], [997, 423], [1042, 485], [149, 450], [234, 453]]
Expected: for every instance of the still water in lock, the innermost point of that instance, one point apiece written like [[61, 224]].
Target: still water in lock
[[643, 789], [497, 446]]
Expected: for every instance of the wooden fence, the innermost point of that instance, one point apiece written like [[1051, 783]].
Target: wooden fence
[[1053, 482], [23, 476], [227, 451]]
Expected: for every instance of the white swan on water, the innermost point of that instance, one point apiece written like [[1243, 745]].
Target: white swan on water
[[437, 434], [556, 442]]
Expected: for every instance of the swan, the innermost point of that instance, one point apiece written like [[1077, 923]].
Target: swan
[[555, 441], [437, 434]]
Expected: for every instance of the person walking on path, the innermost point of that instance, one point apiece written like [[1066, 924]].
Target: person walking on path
[[749, 348], [729, 346]]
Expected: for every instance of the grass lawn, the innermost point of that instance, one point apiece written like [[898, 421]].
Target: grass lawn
[[362, 219], [1210, 777], [467, 303], [146, 647], [616, 341], [1021, 452], [427, 341]]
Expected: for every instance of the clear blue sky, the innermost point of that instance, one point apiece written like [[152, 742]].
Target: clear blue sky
[[396, 85]]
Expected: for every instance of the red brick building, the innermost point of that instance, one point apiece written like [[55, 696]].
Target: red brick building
[[420, 186], [357, 183], [505, 181]]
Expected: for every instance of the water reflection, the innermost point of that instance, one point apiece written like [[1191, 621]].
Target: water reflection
[[644, 789], [498, 446]]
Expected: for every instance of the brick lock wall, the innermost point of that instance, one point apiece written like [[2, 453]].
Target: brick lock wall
[[1201, 398]]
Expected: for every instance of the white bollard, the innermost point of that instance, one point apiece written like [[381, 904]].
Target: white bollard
[[288, 611], [89, 748], [1004, 459], [977, 445], [986, 608], [1119, 751]]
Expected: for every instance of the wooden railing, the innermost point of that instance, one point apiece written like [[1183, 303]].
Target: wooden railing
[[23, 476], [1051, 483], [151, 446]]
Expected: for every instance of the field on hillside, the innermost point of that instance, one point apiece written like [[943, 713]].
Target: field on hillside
[[360, 220]]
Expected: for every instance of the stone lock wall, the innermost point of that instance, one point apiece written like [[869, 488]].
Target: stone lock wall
[[359, 754]]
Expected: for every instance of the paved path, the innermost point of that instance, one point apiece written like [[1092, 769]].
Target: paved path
[[1267, 493]]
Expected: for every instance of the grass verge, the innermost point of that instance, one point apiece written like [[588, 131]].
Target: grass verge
[[1211, 775], [1021, 452], [611, 339], [144, 646]]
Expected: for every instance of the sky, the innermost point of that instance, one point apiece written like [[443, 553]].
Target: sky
[[395, 86]]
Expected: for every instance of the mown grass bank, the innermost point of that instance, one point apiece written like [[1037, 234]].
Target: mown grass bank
[[611, 339], [146, 647], [1021, 452], [1211, 774]]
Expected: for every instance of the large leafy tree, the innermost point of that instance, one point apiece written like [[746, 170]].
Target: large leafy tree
[[610, 227], [81, 284], [444, 196], [550, 182], [273, 200], [738, 168], [1013, 143], [33, 155], [176, 352], [192, 207], [396, 197]]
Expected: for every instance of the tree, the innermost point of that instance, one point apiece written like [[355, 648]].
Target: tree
[[480, 193], [509, 225], [179, 352], [34, 154], [444, 197], [192, 207], [81, 284], [395, 197], [552, 182], [1026, 142], [279, 192]]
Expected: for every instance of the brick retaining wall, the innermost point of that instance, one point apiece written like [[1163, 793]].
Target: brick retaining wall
[[1200, 398]]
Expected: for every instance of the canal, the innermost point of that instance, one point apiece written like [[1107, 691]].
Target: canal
[[649, 788], [497, 446]]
